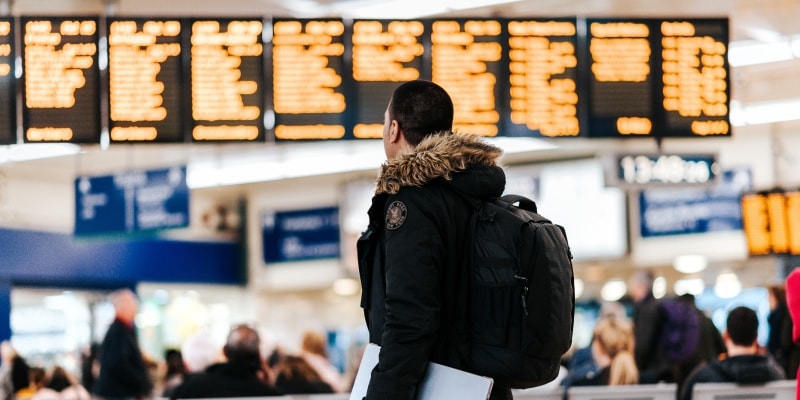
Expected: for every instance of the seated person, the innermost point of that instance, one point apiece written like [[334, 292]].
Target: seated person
[[612, 352], [296, 376], [244, 374], [743, 364]]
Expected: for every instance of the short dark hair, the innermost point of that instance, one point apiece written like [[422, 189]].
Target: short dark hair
[[243, 346], [421, 108], [743, 326]]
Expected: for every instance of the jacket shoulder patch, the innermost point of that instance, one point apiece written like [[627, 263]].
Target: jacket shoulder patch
[[396, 215]]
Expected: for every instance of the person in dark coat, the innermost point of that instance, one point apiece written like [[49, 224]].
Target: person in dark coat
[[648, 323], [244, 374], [123, 374], [296, 376], [780, 343], [411, 257], [744, 364]]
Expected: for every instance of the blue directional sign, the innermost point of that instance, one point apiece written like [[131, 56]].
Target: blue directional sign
[[695, 210], [301, 235], [132, 201]]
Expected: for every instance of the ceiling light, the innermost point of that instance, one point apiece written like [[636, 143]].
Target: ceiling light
[[751, 52], [727, 285], [613, 290], [690, 263], [36, 151], [694, 286], [659, 287], [769, 112]]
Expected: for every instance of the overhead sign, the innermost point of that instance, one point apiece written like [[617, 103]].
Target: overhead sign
[[652, 170], [132, 201], [681, 211], [772, 222], [301, 235]]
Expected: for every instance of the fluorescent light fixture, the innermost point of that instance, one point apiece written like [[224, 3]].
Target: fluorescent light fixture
[[745, 53], [36, 151], [613, 290], [296, 160], [727, 285], [693, 286], [406, 9], [767, 112], [796, 46], [690, 263]]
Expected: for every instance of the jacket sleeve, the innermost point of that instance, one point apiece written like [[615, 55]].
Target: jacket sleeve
[[414, 255]]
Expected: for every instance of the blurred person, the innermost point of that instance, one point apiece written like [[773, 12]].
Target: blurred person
[[581, 365], [60, 385], [294, 375], [411, 255], [314, 351], [14, 372], [780, 343], [175, 370], [244, 374], [36, 379], [710, 345], [90, 366], [199, 351], [612, 352], [647, 326], [123, 371], [744, 364]]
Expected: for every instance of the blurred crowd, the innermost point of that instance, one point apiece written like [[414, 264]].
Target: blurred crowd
[[637, 340]]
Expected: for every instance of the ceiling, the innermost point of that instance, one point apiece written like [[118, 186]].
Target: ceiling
[[749, 20]]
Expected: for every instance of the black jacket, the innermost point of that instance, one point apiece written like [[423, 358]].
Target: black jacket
[[122, 369], [223, 380], [746, 369], [413, 258]]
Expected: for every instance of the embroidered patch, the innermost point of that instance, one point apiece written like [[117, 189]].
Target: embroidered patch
[[396, 215]]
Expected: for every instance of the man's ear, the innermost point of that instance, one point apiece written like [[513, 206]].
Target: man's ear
[[395, 133]]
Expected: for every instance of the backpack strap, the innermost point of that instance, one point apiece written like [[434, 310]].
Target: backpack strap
[[524, 202]]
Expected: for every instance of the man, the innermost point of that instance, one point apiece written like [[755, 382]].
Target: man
[[123, 374], [412, 261], [647, 325], [744, 364], [244, 374]]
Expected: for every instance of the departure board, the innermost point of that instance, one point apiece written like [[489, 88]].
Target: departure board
[[543, 78], [695, 77], [385, 54], [657, 78], [466, 60], [307, 76], [8, 92], [772, 222], [144, 74], [622, 83], [61, 94], [227, 79]]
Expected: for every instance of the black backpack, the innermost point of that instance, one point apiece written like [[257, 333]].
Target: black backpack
[[522, 293]]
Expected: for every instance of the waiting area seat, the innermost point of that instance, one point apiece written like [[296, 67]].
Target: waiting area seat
[[658, 391], [777, 390]]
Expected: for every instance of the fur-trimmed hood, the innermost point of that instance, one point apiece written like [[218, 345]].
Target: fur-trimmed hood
[[443, 155]]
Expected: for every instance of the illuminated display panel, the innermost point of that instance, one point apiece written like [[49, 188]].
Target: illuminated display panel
[[695, 80], [385, 53], [8, 99], [622, 82], [227, 79], [307, 70], [144, 74], [772, 222], [793, 220], [60, 99], [466, 60], [543, 78]]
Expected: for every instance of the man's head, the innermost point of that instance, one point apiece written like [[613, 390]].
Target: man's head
[[640, 285], [243, 347], [416, 110], [125, 305], [742, 328]]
